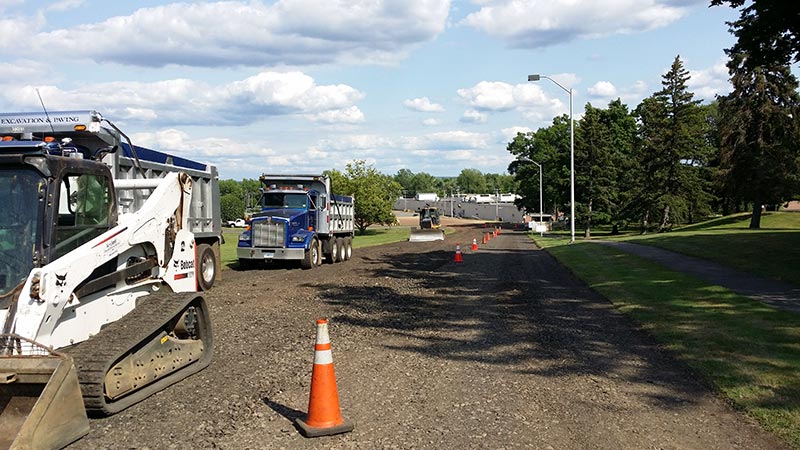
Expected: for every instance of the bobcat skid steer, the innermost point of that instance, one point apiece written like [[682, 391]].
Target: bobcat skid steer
[[98, 307]]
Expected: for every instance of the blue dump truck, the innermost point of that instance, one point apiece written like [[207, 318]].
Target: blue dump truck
[[300, 219]]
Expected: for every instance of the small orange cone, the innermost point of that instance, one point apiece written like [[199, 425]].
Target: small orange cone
[[483, 239], [474, 244], [459, 258], [324, 416]]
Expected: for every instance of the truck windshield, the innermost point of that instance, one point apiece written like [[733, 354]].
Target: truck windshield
[[19, 225], [283, 200]]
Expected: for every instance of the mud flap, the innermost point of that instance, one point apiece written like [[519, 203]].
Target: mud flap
[[41, 406]]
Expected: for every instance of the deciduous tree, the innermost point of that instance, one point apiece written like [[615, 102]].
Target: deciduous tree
[[374, 193]]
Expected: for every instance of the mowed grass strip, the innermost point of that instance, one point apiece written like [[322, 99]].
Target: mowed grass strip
[[749, 351], [770, 252]]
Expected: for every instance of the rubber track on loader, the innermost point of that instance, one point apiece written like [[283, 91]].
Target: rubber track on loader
[[97, 355]]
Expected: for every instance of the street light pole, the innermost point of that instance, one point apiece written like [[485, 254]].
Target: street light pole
[[451, 202], [536, 77], [496, 204]]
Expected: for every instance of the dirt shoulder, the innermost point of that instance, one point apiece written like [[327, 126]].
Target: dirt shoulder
[[503, 350]]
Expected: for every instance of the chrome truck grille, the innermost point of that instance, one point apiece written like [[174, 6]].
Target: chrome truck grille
[[272, 234]]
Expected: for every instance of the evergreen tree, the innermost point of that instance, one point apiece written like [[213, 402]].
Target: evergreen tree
[[595, 173], [604, 164], [760, 134], [674, 149], [623, 197]]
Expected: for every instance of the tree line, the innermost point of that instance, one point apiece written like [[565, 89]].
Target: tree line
[[673, 160]]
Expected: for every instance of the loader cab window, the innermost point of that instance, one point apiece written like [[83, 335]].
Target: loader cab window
[[21, 191], [83, 211]]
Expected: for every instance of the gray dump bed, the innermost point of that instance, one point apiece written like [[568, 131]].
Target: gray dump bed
[[204, 216], [88, 132]]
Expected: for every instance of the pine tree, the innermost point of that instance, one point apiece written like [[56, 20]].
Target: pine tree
[[760, 134], [674, 150]]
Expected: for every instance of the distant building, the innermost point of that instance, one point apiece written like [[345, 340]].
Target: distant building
[[793, 205]]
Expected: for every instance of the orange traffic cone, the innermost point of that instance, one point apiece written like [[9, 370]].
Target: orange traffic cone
[[474, 244], [483, 239], [459, 258], [324, 416]]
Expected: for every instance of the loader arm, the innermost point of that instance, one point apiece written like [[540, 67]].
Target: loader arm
[[51, 312]]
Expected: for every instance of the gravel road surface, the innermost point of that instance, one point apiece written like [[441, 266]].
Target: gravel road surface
[[504, 350]]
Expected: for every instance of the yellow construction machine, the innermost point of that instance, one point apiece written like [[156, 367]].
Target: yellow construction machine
[[430, 226]]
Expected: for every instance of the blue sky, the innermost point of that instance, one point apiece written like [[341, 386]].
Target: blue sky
[[301, 86]]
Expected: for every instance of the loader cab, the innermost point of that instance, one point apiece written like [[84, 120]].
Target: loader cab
[[429, 217], [51, 206]]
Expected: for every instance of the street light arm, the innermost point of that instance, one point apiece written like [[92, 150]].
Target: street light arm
[[536, 77]]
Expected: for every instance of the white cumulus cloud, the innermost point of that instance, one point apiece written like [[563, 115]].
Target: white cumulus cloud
[[185, 101], [423, 104], [244, 33], [538, 23], [709, 82], [603, 89]]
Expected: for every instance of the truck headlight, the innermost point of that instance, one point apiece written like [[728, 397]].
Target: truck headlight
[[245, 236], [298, 238]]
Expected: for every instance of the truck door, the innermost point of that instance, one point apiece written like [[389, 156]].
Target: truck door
[[312, 211]]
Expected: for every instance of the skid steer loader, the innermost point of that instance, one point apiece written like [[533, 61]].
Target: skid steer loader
[[430, 226], [98, 303]]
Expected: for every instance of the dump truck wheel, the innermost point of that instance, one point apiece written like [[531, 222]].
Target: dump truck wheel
[[333, 257], [310, 256], [320, 257], [348, 245], [206, 266], [342, 249]]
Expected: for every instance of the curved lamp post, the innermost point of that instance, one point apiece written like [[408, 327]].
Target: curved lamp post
[[536, 77]]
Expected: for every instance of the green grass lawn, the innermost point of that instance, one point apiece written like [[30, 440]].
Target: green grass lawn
[[771, 252], [750, 352]]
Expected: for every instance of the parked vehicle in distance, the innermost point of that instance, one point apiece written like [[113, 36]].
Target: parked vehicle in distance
[[238, 223], [480, 198], [427, 197]]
